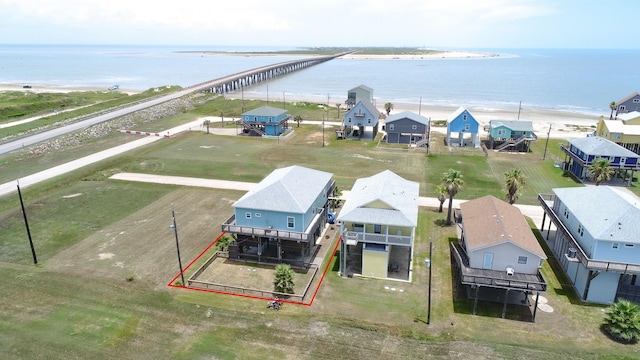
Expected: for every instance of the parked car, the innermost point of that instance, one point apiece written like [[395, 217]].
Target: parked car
[[26, 86]]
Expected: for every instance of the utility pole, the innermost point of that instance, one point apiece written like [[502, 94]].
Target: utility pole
[[174, 228], [430, 266], [519, 109], [26, 224], [544, 155]]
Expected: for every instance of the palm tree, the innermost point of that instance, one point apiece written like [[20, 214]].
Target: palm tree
[[612, 106], [298, 119], [622, 321], [514, 181], [600, 171], [338, 107], [206, 124], [452, 182], [388, 107], [441, 190], [283, 281]]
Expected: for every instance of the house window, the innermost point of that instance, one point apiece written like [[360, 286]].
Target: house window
[[349, 120], [502, 132], [522, 260], [636, 101], [247, 215], [255, 118], [580, 230], [628, 245], [623, 160], [269, 118], [622, 108], [617, 136], [377, 228], [291, 222], [369, 121], [464, 117], [414, 127], [467, 127], [258, 215], [615, 246], [566, 213], [390, 126]]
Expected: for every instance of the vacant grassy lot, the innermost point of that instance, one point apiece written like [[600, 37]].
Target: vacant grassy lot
[[106, 255]]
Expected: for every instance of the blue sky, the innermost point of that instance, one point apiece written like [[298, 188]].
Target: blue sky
[[436, 24]]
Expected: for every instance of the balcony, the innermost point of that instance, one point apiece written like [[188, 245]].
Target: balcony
[[229, 226], [547, 201], [495, 278], [353, 237]]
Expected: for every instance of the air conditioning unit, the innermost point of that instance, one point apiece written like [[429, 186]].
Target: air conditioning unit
[[571, 253], [510, 271]]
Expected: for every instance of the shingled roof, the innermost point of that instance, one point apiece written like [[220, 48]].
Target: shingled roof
[[489, 221]]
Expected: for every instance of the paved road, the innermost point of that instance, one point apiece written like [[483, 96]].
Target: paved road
[[11, 146]]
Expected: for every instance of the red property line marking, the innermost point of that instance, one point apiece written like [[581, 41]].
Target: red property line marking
[[171, 283]]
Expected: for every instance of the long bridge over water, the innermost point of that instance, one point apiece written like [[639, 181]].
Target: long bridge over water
[[251, 77]]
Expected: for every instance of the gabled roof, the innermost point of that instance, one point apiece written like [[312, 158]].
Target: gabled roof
[[628, 116], [489, 221], [265, 111], [364, 87], [384, 198], [627, 98], [408, 115], [595, 145], [292, 189], [605, 213], [459, 112], [367, 105], [514, 125]]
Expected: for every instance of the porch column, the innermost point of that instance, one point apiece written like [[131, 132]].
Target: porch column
[[535, 307], [475, 301], [504, 307]]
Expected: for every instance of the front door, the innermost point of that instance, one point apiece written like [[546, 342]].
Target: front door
[[488, 261]]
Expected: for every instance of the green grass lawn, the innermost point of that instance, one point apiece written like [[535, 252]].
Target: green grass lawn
[[93, 235]]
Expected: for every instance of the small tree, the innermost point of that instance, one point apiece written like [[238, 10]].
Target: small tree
[[283, 281], [298, 119], [514, 182], [600, 171], [388, 107], [206, 124], [622, 321], [442, 191], [612, 106], [452, 182], [223, 243]]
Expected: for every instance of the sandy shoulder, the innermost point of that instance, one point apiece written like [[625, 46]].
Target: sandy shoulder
[[40, 88]]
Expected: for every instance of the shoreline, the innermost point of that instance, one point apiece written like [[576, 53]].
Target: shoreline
[[437, 54], [564, 123]]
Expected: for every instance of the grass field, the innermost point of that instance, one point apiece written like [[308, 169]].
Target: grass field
[[106, 254]]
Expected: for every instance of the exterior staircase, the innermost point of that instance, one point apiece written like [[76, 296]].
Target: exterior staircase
[[511, 143], [423, 142], [253, 128]]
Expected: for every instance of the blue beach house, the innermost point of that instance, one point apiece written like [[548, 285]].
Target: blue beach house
[[511, 135], [378, 223], [581, 152], [360, 118], [281, 218], [407, 128], [467, 128], [596, 240], [628, 104], [265, 120]]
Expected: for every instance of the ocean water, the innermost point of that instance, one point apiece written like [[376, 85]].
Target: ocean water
[[562, 79]]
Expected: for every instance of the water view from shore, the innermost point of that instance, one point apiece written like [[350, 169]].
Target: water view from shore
[[584, 81]]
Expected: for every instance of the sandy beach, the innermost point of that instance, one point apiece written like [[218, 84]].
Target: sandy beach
[[564, 124], [421, 56]]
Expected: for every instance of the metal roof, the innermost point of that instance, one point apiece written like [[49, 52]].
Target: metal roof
[[459, 112], [408, 115], [265, 111], [384, 198], [514, 125], [616, 126], [292, 189], [596, 145], [607, 214]]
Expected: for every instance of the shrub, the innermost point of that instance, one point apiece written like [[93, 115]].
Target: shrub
[[622, 322], [283, 281]]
